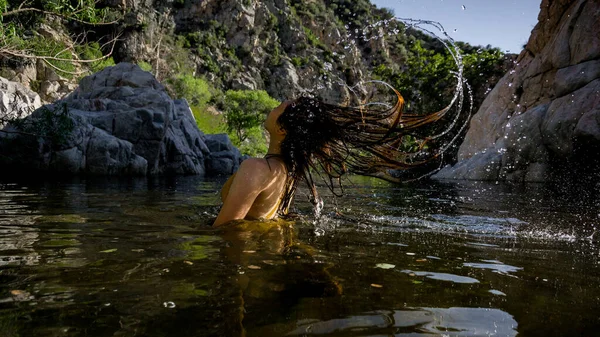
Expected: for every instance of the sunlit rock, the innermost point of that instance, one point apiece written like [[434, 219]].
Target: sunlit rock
[[543, 117], [16, 101]]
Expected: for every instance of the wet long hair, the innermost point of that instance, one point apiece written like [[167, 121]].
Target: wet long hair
[[331, 141]]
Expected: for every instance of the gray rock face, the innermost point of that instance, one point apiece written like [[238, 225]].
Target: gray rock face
[[224, 158], [125, 123], [41, 77], [16, 101], [544, 116]]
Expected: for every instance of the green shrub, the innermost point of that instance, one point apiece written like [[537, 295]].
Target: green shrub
[[145, 66], [255, 144], [246, 110], [41, 46], [92, 51], [207, 122], [196, 90], [299, 61]]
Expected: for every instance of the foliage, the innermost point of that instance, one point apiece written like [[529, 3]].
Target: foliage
[[254, 145], [196, 90], [20, 41], [313, 40], [50, 122], [145, 66], [93, 51], [245, 110], [207, 122], [426, 78]]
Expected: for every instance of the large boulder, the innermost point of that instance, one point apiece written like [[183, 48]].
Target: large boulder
[[123, 122], [542, 120]]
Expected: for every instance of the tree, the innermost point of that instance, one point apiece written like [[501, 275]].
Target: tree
[[245, 110]]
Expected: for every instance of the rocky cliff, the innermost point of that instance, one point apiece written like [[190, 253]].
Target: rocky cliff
[[541, 122], [239, 44]]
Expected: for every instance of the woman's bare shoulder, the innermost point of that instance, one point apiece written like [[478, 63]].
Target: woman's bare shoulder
[[253, 163], [254, 167]]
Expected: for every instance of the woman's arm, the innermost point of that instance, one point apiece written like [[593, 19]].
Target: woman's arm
[[247, 184]]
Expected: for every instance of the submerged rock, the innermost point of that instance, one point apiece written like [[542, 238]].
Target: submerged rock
[[123, 122], [542, 120]]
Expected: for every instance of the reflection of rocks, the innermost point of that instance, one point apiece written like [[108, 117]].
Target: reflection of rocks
[[543, 118], [124, 123], [16, 242]]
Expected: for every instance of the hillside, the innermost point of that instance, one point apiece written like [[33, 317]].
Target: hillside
[[202, 48]]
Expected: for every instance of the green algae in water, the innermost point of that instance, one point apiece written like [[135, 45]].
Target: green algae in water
[[61, 218], [60, 243], [199, 249]]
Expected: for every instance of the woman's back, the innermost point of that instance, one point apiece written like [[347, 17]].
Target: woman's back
[[269, 176]]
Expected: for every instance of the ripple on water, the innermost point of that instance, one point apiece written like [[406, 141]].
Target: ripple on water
[[497, 267], [471, 224], [442, 276]]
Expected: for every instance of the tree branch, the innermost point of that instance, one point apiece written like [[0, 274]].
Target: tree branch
[[16, 53], [67, 17]]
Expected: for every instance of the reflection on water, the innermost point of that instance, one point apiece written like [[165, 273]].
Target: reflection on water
[[106, 257], [417, 322], [442, 276]]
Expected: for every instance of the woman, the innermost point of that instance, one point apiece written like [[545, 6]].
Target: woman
[[309, 136]]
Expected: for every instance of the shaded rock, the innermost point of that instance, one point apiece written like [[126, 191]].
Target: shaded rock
[[286, 79], [224, 158]]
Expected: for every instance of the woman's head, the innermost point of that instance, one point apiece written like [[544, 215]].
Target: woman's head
[[309, 129]]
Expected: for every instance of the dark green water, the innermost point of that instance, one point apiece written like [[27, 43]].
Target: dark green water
[[137, 258]]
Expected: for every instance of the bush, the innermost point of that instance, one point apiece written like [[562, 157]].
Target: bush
[[255, 144], [92, 51], [145, 66], [207, 122], [196, 90], [245, 111]]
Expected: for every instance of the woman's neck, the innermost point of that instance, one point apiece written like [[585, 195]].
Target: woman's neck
[[275, 145]]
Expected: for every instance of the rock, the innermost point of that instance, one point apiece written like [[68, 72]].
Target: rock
[[286, 79], [483, 166], [124, 123], [16, 101], [224, 158], [543, 117]]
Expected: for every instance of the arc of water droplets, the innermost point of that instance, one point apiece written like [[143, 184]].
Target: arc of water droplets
[[457, 101]]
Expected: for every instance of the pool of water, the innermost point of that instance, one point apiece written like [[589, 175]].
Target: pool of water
[[137, 257]]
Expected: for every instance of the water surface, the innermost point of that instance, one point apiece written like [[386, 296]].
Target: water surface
[[136, 257]]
